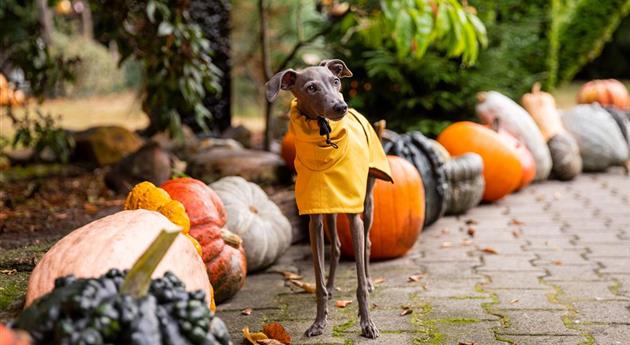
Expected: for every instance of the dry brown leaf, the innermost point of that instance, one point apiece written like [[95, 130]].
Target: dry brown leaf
[[291, 276], [446, 244], [557, 262], [471, 231], [515, 221], [342, 303], [415, 277], [246, 311], [506, 211], [405, 311], [445, 231], [471, 221], [466, 343], [466, 242], [90, 208], [517, 233], [514, 301], [379, 280], [253, 338], [9, 272], [276, 331], [489, 250], [307, 287]]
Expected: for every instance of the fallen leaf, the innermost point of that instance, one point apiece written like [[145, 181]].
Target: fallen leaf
[[415, 277], [446, 244], [291, 276], [253, 338], [471, 231], [466, 242], [517, 233], [466, 343], [9, 272], [515, 221], [406, 311], [379, 280], [514, 301], [342, 303], [276, 331], [471, 221], [489, 250], [90, 208], [375, 306], [246, 311], [557, 262], [269, 342], [505, 211], [445, 231], [307, 287]]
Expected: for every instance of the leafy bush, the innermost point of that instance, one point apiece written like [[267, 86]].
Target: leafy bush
[[97, 70]]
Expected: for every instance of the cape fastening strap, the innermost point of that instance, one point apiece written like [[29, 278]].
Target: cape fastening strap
[[324, 129]]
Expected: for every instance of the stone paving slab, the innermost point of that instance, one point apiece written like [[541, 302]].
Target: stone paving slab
[[548, 265]]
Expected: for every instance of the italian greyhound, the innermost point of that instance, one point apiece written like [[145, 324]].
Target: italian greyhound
[[318, 101]]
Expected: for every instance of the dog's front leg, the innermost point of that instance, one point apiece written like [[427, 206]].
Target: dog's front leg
[[316, 232], [368, 218], [335, 249], [368, 329]]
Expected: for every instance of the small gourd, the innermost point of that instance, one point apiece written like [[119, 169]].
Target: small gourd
[[464, 174]]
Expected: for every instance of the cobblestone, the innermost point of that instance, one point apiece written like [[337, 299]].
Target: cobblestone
[[561, 275]]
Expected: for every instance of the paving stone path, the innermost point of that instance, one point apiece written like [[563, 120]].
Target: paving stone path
[[549, 265]]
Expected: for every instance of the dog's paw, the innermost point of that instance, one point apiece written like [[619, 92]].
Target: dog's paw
[[316, 329], [369, 330]]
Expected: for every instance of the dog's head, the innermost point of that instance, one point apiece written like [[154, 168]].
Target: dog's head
[[317, 88]]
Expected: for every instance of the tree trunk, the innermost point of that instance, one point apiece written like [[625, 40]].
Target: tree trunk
[[45, 20], [87, 25], [266, 66], [213, 16]]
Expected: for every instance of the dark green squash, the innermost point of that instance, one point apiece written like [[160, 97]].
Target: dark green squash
[[565, 156], [417, 149], [466, 183]]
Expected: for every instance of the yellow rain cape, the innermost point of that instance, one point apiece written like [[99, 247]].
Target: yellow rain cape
[[333, 180]]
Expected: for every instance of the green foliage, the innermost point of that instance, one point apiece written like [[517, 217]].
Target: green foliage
[[97, 70], [41, 133], [583, 31], [173, 54], [21, 46]]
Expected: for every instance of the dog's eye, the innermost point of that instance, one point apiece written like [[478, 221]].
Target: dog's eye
[[311, 88], [336, 81]]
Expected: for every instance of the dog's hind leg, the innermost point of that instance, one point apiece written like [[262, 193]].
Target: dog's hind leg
[[368, 218], [316, 232], [368, 329], [335, 250]]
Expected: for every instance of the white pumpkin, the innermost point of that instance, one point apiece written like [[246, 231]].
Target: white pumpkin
[[117, 241], [599, 137], [493, 107], [265, 231]]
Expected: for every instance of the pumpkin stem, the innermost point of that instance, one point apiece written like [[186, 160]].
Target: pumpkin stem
[[138, 279], [231, 239], [481, 96], [536, 88]]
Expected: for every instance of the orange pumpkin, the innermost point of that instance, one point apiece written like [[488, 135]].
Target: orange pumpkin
[[605, 92], [225, 263], [287, 151], [527, 160], [398, 213], [11, 337], [502, 169]]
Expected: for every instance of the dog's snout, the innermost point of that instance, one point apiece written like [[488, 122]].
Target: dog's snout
[[340, 108]]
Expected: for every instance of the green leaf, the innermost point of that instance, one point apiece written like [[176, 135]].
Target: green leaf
[[151, 10]]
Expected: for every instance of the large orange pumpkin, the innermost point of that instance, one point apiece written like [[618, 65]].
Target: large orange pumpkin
[[398, 213], [605, 92], [287, 150], [528, 164], [226, 265], [11, 337], [502, 169]]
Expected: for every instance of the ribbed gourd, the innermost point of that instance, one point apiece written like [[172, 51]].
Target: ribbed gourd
[[464, 174], [265, 231], [601, 142], [429, 161], [500, 111]]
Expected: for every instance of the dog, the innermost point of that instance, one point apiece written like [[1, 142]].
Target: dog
[[338, 158]]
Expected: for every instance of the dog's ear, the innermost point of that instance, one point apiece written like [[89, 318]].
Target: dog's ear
[[284, 80], [337, 67]]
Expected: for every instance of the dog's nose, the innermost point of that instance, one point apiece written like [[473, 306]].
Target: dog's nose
[[340, 108]]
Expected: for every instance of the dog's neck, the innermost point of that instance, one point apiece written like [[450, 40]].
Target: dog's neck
[[304, 111]]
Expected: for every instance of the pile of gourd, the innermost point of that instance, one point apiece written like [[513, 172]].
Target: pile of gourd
[[470, 162]]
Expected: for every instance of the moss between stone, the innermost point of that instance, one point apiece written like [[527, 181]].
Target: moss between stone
[[339, 330], [12, 291], [568, 319], [615, 288], [489, 307]]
